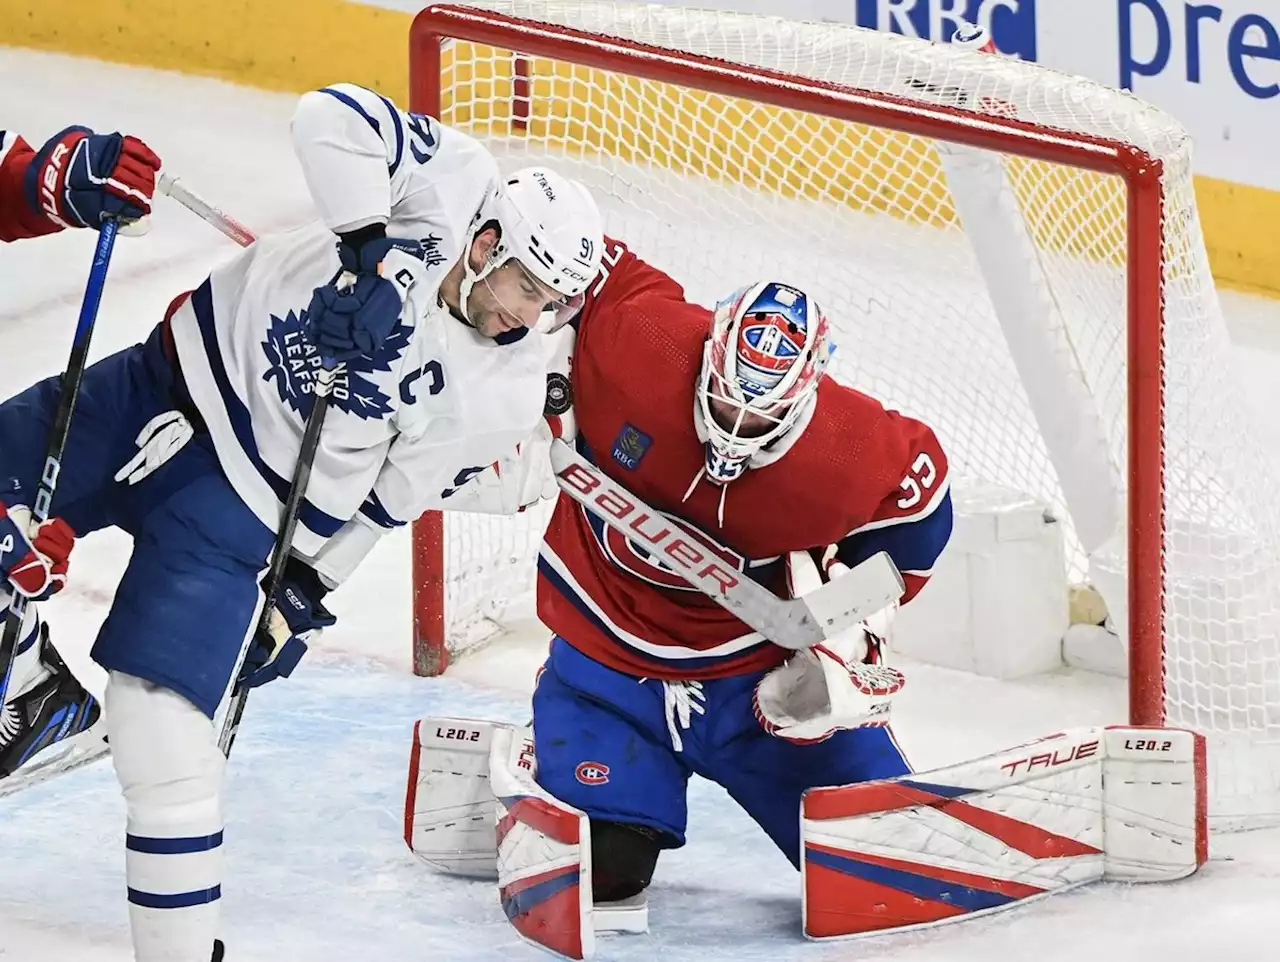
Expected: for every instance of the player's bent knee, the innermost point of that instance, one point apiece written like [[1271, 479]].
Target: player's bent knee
[[164, 749], [623, 857]]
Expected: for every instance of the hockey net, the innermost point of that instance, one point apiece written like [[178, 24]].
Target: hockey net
[[1008, 252]]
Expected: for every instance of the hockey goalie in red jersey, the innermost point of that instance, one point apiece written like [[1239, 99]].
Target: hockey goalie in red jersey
[[725, 422]]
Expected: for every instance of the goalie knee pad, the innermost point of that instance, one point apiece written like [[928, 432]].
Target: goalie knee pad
[[623, 857]]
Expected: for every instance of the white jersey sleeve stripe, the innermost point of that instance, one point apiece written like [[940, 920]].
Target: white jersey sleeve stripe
[[935, 501], [348, 97], [396, 123], [351, 102], [375, 512]]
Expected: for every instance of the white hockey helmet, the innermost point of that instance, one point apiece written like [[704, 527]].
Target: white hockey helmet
[[552, 226]]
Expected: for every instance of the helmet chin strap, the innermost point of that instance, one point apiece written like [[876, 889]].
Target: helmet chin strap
[[471, 278]]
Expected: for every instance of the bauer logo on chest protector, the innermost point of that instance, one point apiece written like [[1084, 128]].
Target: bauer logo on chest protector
[[630, 446], [637, 561], [294, 363]]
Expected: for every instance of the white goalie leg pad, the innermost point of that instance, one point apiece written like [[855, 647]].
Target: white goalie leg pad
[[449, 808], [544, 854], [170, 768], [1092, 804]]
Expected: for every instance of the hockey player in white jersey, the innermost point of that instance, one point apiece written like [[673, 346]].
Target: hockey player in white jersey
[[423, 277]]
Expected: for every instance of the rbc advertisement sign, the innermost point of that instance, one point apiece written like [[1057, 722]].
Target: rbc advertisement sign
[[1215, 66], [1157, 35], [1012, 22]]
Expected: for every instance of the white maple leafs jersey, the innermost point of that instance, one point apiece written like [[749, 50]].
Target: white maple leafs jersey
[[433, 406]]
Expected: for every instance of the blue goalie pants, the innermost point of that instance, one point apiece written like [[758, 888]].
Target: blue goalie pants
[[606, 744], [190, 594]]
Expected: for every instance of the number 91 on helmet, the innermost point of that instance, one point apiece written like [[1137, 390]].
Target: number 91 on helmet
[[550, 231]]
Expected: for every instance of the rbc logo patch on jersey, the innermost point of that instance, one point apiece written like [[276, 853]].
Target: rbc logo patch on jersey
[[630, 446], [293, 363]]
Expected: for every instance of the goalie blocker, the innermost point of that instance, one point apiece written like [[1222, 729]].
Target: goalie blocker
[[1091, 804]]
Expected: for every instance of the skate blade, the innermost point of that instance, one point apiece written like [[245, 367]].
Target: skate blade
[[76, 752]]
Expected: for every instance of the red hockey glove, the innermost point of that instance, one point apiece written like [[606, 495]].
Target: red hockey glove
[[78, 178], [34, 558]]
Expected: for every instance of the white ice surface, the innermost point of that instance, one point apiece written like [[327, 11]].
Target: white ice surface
[[317, 870]]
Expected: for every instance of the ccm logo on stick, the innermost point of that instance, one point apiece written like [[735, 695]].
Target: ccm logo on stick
[[664, 538]]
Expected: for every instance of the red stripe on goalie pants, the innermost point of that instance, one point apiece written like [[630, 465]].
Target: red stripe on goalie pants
[[541, 815], [848, 801]]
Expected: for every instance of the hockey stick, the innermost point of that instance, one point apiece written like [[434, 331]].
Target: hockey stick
[[796, 623], [327, 377], [68, 392], [284, 536], [232, 228], [224, 222]]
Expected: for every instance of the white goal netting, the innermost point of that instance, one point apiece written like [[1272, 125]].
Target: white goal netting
[[983, 292]]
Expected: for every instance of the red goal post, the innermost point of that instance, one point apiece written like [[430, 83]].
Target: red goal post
[[1140, 172]]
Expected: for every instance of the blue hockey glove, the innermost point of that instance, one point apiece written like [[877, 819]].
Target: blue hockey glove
[[297, 618], [356, 313], [78, 178]]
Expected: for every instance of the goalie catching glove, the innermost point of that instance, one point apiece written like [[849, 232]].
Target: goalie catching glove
[[296, 619], [34, 557], [840, 684], [830, 687]]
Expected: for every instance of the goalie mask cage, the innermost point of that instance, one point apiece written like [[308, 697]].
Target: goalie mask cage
[[1008, 252]]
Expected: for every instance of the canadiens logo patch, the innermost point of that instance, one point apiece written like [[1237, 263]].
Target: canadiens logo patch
[[630, 446], [293, 364], [592, 773], [559, 395]]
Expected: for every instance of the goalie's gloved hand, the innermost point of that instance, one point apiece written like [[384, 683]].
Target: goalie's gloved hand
[[824, 689], [359, 310], [34, 558], [79, 178], [296, 619]]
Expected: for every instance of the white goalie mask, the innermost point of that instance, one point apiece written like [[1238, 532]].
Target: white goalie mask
[[769, 346], [552, 227]]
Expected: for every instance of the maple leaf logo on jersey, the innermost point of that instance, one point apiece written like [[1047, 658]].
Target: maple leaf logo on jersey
[[295, 363]]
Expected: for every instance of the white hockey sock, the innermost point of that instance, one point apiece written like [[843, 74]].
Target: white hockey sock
[[167, 758]]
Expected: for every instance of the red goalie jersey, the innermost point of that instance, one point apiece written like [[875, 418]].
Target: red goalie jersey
[[859, 477]]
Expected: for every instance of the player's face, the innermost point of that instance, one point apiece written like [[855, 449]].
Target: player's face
[[726, 414], [508, 297]]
